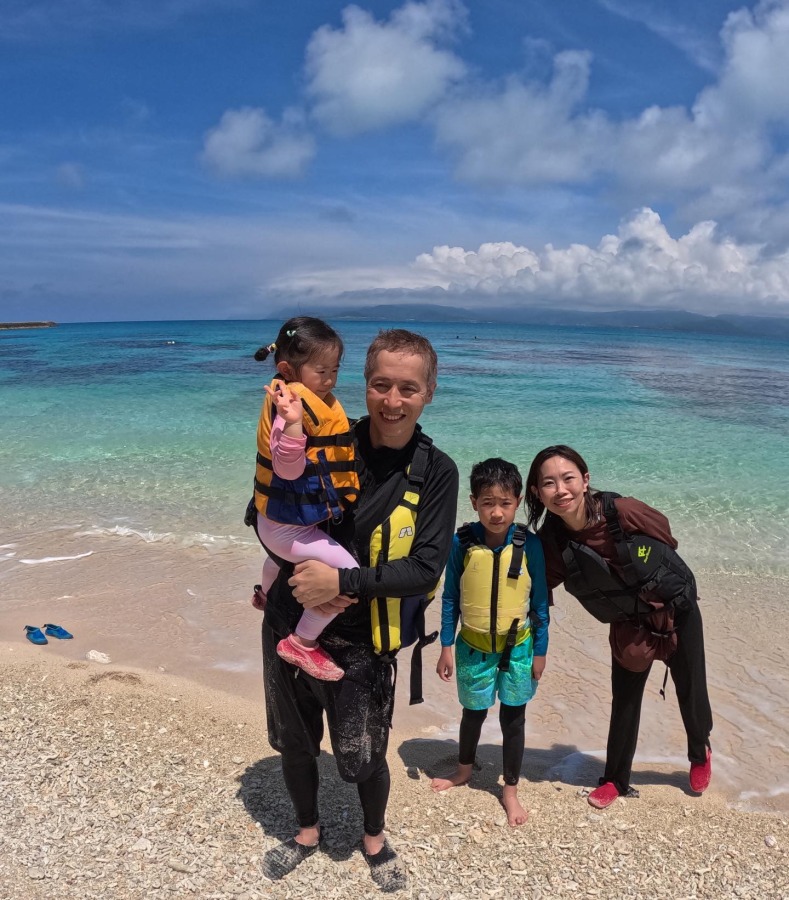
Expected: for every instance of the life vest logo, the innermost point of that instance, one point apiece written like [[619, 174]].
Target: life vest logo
[[643, 554], [408, 531]]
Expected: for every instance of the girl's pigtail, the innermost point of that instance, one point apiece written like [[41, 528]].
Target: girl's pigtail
[[263, 353]]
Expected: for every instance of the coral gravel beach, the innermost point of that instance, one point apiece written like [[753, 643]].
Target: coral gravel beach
[[151, 776], [123, 783]]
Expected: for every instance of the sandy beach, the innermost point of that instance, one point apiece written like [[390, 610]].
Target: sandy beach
[[151, 775]]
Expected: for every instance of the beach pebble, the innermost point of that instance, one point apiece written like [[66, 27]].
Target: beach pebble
[[97, 656], [770, 841], [239, 759], [141, 846]]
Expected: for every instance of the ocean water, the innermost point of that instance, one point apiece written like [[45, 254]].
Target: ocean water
[[149, 428]]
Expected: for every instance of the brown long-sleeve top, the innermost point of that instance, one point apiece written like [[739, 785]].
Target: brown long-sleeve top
[[634, 516]]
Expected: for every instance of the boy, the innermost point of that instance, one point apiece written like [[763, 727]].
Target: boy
[[495, 585]]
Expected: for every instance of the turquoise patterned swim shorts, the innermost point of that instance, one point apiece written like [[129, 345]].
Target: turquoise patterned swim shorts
[[479, 679]]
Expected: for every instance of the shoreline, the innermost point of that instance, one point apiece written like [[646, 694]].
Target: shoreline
[[131, 784], [167, 611]]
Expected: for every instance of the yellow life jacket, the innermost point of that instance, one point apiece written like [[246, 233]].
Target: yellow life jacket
[[330, 482], [400, 621], [494, 593]]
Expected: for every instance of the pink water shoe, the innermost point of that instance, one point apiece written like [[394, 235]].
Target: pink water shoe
[[700, 774], [314, 661]]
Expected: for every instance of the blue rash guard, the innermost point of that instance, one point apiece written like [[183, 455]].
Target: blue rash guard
[[535, 563]]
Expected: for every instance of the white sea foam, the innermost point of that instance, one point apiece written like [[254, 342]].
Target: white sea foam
[[49, 559], [198, 539], [8, 546]]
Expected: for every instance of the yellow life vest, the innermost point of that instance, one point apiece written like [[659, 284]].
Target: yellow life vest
[[330, 482], [494, 593], [400, 621]]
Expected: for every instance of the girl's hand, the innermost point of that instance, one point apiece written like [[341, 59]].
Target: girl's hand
[[287, 402], [446, 665]]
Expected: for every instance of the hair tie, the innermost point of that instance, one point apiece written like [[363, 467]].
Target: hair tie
[[291, 333], [271, 348]]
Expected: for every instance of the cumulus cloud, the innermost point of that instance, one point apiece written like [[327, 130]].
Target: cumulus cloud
[[530, 132], [641, 265], [370, 74], [246, 142]]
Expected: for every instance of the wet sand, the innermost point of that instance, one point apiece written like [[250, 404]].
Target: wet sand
[[185, 611]]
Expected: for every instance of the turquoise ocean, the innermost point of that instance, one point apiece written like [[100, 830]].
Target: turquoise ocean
[[148, 429]]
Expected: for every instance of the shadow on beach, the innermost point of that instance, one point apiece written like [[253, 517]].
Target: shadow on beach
[[264, 795], [563, 763]]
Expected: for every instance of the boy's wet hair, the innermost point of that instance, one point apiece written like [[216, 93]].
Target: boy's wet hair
[[495, 472]]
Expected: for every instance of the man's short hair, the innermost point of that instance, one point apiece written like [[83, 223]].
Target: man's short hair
[[496, 472], [399, 340]]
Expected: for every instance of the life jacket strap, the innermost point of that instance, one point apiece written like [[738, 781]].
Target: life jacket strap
[[516, 560], [512, 634]]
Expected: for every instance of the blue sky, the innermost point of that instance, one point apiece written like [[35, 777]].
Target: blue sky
[[225, 158]]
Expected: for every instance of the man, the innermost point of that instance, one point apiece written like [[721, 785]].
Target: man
[[401, 532]]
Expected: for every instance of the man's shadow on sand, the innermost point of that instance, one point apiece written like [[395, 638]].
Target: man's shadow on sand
[[563, 763], [261, 788]]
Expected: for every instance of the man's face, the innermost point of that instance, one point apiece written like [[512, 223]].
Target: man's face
[[397, 391]]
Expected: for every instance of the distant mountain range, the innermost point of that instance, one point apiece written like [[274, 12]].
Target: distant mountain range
[[657, 320]]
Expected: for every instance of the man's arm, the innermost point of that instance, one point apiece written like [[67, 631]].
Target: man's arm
[[420, 571], [315, 583]]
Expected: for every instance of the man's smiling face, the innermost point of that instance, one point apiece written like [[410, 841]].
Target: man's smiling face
[[397, 392]]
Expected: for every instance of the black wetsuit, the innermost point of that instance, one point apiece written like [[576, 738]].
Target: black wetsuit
[[358, 708]]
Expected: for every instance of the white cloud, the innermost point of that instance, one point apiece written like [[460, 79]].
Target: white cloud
[[641, 265], [247, 142], [368, 74], [722, 148]]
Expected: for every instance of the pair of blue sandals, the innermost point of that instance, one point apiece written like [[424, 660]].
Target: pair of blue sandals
[[37, 636]]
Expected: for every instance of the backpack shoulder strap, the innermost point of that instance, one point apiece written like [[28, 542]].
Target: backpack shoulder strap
[[629, 575]]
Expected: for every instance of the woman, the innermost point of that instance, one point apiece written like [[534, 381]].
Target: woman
[[617, 556]]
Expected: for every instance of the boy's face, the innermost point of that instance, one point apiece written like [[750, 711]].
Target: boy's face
[[496, 508]]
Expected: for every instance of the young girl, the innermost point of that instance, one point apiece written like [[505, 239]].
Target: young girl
[[305, 473], [617, 556]]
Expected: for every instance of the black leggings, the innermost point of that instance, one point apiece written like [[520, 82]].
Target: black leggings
[[688, 672], [513, 731], [301, 779]]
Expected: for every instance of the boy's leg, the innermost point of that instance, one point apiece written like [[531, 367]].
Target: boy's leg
[[471, 723], [476, 680], [513, 732]]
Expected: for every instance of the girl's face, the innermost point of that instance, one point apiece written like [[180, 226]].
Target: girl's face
[[561, 489], [320, 374]]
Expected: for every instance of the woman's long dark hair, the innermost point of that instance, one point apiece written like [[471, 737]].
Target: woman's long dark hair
[[300, 340], [534, 505]]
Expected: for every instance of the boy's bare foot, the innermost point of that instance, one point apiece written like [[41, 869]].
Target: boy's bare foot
[[461, 775], [516, 814]]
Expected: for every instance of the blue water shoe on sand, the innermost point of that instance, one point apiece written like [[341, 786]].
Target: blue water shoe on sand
[[57, 631], [35, 635]]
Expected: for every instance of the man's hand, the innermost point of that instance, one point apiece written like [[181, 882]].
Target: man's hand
[[537, 667], [338, 605], [314, 583], [445, 666]]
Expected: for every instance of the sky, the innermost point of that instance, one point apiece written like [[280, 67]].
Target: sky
[[169, 159]]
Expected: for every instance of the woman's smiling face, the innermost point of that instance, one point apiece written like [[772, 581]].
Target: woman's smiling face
[[562, 490]]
